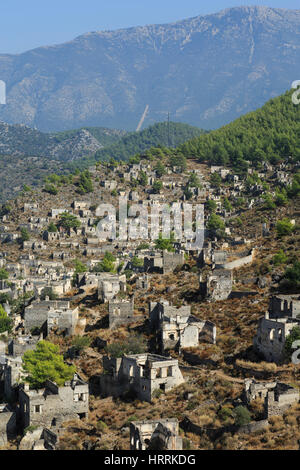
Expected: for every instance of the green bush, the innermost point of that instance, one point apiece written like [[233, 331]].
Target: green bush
[[242, 415], [5, 322], [279, 258], [284, 227], [80, 343], [135, 344]]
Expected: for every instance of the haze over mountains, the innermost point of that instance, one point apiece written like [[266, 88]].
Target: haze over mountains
[[205, 70]]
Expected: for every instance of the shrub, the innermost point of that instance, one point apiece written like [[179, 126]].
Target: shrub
[[68, 221], [242, 415], [135, 344], [51, 189], [284, 227], [3, 274], [24, 235], [292, 275], [52, 228], [101, 426], [5, 322], [279, 258], [80, 343]]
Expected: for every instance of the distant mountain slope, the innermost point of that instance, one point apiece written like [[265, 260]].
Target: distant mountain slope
[[19, 171], [70, 145], [160, 134], [28, 155], [205, 71], [269, 133]]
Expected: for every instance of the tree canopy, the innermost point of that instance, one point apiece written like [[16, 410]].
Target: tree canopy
[[46, 362]]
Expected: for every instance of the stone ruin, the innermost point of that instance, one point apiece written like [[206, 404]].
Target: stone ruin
[[278, 397], [275, 327], [50, 314], [121, 312], [7, 423], [163, 263], [177, 328], [142, 374], [109, 285], [22, 343], [284, 306], [218, 285], [160, 434], [52, 405], [143, 282]]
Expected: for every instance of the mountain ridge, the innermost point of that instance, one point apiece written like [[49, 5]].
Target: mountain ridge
[[206, 71]]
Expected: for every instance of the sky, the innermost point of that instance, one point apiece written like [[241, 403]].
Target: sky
[[26, 24]]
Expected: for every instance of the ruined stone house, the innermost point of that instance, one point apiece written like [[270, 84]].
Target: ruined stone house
[[22, 343], [109, 285], [51, 314], [177, 328], [121, 312], [52, 405], [163, 263], [7, 423], [143, 282], [160, 434], [271, 336], [218, 285], [284, 306], [278, 396], [283, 315], [142, 374]]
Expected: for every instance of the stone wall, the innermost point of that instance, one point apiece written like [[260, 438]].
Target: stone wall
[[7, 424]]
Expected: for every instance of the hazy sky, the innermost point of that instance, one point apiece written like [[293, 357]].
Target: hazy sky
[[26, 24]]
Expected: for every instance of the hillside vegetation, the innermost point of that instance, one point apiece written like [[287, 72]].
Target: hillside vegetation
[[159, 134], [267, 134]]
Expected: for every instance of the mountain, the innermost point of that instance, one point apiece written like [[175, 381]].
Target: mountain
[[270, 133], [21, 140], [205, 71]]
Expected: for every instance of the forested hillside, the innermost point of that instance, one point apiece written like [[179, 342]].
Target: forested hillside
[[269, 133], [160, 134]]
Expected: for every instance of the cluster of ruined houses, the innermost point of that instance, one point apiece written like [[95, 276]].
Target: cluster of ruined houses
[[175, 327]]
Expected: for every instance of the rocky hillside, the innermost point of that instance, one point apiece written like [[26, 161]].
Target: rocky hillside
[[205, 70], [21, 140]]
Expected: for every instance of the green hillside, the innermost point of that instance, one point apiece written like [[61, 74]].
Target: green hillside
[[269, 133], [159, 134]]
